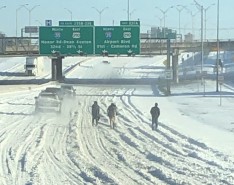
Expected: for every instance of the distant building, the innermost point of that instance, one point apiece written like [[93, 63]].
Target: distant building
[[155, 32], [188, 37], [144, 35], [2, 35]]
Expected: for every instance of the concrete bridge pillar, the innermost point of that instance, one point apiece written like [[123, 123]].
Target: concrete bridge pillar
[[175, 60], [56, 67], [59, 69]]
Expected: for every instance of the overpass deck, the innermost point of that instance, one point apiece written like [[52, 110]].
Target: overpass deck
[[30, 45]]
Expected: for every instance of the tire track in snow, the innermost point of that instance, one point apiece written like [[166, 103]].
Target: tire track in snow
[[125, 147], [111, 158], [23, 132], [55, 149], [90, 150], [197, 145]]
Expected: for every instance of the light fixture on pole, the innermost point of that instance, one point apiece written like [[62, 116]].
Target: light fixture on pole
[[30, 11], [205, 9], [100, 14], [160, 19], [16, 18], [164, 16], [69, 12], [192, 17], [180, 8], [128, 10], [2, 7], [38, 22], [217, 58], [130, 14]]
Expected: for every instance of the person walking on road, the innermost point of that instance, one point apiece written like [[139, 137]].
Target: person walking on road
[[155, 113], [95, 113], [111, 113]]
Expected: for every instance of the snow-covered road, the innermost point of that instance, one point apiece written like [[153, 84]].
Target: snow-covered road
[[48, 148], [66, 149]]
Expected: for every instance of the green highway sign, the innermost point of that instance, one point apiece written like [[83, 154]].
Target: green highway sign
[[66, 40], [117, 39], [76, 23], [130, 23]]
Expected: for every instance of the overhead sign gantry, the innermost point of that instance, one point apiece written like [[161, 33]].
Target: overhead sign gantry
[[82, 37], [117, 40], [66, 40]]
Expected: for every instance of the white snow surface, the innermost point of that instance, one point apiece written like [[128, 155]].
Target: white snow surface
[[194, 143]]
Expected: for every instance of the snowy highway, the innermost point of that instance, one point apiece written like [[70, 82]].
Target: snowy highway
[[49, 148]]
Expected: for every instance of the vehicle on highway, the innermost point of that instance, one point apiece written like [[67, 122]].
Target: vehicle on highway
[[31, 66], [47, 101], [68, 90], [55, 90], [105, 62]]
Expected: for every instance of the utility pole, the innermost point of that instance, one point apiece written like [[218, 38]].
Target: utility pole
[[217, 59], [200, 7]]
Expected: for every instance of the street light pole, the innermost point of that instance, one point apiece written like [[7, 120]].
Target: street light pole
[[128, 9], [16, 18], [192, 16], [217, 59], [200, 7], [100, 14], [2, 7], [160, 19], [69, 12], [205, 9], [164, 16], [38, 22], [130, 14], [29, 11], [180, 10]]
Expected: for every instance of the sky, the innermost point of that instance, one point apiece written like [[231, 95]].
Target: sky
[[193, 143], [145, 11]]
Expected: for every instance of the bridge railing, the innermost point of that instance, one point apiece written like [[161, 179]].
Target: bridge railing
[[30, 45]]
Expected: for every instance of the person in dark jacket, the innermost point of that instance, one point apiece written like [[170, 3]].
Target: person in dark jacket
[[155, 113], [95, 113], [111, 113]]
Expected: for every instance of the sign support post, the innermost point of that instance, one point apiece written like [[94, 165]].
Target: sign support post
[[168, 65]]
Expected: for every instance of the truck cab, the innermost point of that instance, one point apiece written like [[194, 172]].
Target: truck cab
[[31, 66]]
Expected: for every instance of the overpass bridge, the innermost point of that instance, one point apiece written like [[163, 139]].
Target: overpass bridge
[[149, 46]]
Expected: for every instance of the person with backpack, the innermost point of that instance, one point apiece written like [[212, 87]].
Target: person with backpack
[[111, 113], [95, 113], [155, 113]]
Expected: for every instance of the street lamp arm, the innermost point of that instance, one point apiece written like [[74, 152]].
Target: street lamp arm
[[132, 11], [21, 6], [205, 9], [29, 9], [2, 7], [68, 10], [168, 9], [159, 9], [199, 6], [180, 7], [196, 3], [96, 9], [104, 9], [100, 13], [164, 11], [34, 7], [25, 6]]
